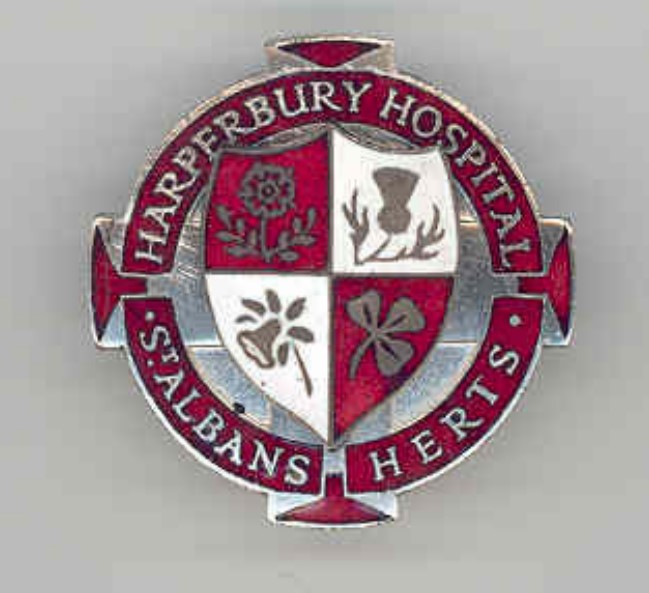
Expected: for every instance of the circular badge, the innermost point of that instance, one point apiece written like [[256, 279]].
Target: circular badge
[[332, 283]]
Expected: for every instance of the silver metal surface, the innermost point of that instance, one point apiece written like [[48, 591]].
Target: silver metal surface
[[466, 321]]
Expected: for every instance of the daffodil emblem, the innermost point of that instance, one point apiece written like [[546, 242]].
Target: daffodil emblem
[[272, 327], [391, 353]]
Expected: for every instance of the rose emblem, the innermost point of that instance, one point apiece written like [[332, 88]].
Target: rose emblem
[[268, 191]]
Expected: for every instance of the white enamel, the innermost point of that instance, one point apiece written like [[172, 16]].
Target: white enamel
[[353, 167], [286, 384]]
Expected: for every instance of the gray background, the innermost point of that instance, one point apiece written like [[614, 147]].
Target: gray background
[[95, 496]]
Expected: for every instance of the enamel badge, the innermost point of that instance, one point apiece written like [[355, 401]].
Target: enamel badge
[[332, 283]]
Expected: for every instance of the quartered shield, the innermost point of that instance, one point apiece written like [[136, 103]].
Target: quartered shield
[[329, 264]]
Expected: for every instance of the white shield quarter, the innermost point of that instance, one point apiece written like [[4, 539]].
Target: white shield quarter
[[403, 222], [276, 327]]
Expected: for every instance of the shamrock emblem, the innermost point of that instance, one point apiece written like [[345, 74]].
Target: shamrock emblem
[[390, 353]]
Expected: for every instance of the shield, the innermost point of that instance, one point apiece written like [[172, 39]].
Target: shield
[[329, 266]]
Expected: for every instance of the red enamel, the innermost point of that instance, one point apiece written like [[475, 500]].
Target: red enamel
[[108, 286], [334, 509], [329, 53], [556, 283]]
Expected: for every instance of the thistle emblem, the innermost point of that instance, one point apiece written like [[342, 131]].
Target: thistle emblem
[[396, 186]]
